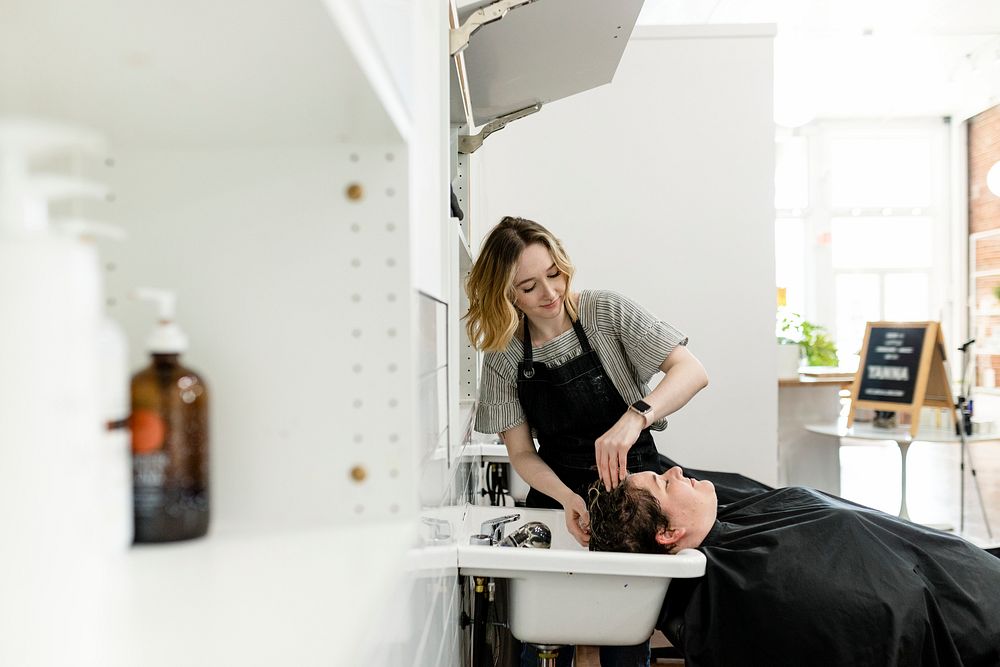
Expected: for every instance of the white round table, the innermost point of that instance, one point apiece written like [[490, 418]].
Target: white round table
[[901, 436]]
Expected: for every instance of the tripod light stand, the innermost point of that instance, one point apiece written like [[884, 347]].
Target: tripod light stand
[[964, 390]]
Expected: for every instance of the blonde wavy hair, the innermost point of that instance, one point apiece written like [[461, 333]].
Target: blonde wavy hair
[[493, 319]]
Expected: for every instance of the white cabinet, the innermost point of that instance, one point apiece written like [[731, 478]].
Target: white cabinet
[[538, 53], [806, 458], [274, 164]]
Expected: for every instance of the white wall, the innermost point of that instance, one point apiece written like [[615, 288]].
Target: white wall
[[661, 185]]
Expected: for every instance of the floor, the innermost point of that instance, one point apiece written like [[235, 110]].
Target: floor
[[588, 656], [870, 475]]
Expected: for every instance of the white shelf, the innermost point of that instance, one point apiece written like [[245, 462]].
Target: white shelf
[[247, 598], [380, 53], [488, 452], [987, 233], [155, 74]]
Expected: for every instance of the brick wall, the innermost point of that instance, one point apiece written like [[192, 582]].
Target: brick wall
[[984, 151], [984, 215], [988, 252]]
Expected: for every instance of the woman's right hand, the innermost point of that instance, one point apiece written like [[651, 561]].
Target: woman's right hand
[[577, 519], [537, 473]]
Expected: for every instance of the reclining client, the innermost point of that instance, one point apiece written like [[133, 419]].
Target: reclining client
[[798, 577]]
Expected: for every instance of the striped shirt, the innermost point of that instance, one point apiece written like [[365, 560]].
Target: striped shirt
[[630, 342]]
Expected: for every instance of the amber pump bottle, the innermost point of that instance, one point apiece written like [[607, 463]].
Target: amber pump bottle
[[169, 424]]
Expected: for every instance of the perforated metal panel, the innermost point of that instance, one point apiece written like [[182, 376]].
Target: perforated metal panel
[[293, 281]]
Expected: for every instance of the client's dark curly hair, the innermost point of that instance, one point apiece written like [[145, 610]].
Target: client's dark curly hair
[[626, 518]]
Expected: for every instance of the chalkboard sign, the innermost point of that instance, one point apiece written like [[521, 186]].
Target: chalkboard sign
[[902, 370], [891, 365]]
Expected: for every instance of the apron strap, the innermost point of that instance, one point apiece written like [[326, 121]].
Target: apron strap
[[584, 343], [527, 340]]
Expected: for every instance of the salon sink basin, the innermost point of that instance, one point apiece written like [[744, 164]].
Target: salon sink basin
[[567, 594]]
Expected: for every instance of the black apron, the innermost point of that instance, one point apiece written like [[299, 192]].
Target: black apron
[[570, 407]]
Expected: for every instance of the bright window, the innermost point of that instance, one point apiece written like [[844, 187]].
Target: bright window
[[888, 242], [791, 183], [907, 297], [876, 170], [790, 261], [860, 230], [858, 300]]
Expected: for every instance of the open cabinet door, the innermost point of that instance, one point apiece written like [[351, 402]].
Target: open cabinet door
[[538, 53]]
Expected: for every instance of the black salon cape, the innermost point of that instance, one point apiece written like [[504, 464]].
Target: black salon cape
[[800, 578]]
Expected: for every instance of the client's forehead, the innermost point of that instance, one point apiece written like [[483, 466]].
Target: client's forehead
[[641, 479]]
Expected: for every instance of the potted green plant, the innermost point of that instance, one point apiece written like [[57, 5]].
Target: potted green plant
[[815, 344]]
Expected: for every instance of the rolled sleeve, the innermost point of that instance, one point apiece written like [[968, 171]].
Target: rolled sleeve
[[498, 409]]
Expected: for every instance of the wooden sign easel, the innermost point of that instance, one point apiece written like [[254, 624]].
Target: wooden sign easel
[[902, 369]]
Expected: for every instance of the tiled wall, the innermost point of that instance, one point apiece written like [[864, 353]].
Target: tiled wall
[[432, 383], [426, 629]]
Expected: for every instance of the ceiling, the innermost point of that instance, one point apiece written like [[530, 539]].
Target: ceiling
[[866, 58]]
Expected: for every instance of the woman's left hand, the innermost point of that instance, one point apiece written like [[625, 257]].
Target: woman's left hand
[[612, 448]]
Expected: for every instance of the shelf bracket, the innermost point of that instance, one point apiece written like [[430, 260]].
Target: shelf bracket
[[459, 37], [470, 143]]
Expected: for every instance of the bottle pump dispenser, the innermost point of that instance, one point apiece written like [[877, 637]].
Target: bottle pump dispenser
[[50, 416], [169, 436]]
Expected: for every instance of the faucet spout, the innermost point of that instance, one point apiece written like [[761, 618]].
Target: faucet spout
[[494, 527]]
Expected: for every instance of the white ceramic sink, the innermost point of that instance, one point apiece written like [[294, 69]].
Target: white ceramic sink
[[566, 594]]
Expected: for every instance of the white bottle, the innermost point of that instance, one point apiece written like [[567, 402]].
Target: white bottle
[[114, 458], [50, 301]]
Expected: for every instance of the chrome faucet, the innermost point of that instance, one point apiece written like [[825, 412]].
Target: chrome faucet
[[491, 531], [494, 527]]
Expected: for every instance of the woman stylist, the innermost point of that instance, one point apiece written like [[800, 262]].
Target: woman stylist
[[570, 369]]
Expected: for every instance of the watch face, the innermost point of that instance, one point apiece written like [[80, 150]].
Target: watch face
[[642, 406]]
